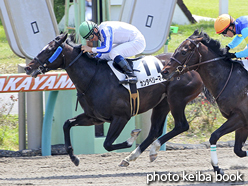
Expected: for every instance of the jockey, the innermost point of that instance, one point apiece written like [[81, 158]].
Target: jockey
[[118, 41], [229, 27]]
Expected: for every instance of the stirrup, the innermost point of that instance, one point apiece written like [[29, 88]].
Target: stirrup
[[128, 79]]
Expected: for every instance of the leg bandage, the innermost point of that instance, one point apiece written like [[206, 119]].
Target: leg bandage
[[214, 158]]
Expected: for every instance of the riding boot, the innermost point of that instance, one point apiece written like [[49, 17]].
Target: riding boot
[[130, 77]]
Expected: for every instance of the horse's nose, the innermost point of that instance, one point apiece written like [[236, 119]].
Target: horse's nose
[[27, 69], [164, 73]]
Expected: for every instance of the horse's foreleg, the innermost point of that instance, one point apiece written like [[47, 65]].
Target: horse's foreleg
[[240, 138], [80, 120], [68, 147], [232, 124], [178, 95], [181, 125]]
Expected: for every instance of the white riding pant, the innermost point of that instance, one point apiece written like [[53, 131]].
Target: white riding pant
[[126, 49]]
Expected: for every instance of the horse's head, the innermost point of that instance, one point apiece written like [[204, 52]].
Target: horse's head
[[184, 58], [50, 57]]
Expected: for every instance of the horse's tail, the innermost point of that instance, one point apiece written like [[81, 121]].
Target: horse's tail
[[208, 95]]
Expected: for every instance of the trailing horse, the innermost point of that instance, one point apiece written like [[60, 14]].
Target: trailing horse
[[105, 100], [226, 80]]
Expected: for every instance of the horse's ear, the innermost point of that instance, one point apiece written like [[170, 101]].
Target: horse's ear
[[196, 32], [63, 38]]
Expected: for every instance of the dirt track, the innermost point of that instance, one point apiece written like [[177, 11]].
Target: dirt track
[[103, 169]]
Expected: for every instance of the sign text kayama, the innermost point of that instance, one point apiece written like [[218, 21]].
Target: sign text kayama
[[44, 82]]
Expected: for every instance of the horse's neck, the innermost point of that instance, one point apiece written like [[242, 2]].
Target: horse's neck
[[82, 71], [214, 75]]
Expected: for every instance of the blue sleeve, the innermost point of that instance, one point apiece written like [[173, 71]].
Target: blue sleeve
[[244, 53], [106, 45], [236, 41], [98, 55]]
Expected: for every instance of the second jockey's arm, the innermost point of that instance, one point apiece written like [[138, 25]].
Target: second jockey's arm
[[244, 53]]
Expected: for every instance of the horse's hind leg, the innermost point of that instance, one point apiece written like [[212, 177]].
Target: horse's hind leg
[[80, 120], [240, 138], [115, 128], [159, 114]]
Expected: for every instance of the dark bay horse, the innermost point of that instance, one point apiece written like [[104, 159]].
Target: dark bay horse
[[227, 81], [105, 100]]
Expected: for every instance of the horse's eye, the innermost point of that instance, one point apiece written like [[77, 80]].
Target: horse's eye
[[183, 52]]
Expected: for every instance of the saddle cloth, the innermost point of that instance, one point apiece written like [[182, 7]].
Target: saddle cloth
[[147, 70], [245, 62]]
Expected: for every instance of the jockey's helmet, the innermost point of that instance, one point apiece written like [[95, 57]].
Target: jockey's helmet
[[222, 23], [86, 29]]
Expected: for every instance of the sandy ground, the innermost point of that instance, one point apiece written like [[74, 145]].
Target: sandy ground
[[103, 169]]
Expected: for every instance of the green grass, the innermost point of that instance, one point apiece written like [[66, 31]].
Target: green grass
[[9, 132], [210, 8], [8, 60]]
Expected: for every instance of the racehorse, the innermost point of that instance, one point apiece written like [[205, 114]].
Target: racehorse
[[105, 100], [225, 79]]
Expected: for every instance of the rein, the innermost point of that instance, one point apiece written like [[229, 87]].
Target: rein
[[225, 83], [79, 55], [181, 68]]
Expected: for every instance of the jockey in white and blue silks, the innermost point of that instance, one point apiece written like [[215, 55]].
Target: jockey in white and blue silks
[[119, 40], [229, 27]]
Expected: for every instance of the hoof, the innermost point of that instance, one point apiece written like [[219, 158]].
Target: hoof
[[221, 172], [75, 160], [218, 170], [124, 163], [153, 157], [135, 132]]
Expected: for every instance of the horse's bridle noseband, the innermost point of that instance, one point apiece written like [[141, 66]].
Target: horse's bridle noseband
[[43, 66]]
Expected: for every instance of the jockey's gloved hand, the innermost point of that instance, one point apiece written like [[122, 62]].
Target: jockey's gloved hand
[[229, 55], [226, 49]]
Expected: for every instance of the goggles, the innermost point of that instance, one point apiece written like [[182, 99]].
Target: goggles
[[225, 31], [91, 36]]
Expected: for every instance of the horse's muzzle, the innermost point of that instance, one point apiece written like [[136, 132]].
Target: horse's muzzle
[[165, 74], [28, 70], [32, 72]]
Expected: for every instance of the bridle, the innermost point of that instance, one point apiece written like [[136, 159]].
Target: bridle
[[59, 51], [43, 65], [184, 66]]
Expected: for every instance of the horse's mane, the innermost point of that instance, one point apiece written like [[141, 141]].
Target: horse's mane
[[213, 44]]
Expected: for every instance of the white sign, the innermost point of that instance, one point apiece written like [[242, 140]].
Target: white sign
[[152, 18], [31, 23]]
